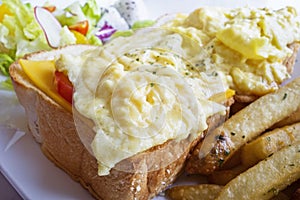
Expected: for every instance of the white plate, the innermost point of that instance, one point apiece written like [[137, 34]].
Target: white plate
[[22, 162]]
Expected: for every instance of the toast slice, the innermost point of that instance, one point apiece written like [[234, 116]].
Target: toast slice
[[53, 127]]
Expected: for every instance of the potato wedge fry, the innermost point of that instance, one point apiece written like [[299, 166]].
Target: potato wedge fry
[[194, 192], [233, 161], [222, 177], [269, 143], [247, 124], [267, 178], [293, 118]]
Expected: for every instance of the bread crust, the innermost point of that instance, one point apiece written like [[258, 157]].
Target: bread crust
[[53, 127]]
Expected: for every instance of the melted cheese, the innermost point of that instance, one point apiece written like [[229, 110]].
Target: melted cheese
[[41, 73]]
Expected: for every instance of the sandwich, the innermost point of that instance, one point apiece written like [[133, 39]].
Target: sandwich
[[123, 118], [141, 159]]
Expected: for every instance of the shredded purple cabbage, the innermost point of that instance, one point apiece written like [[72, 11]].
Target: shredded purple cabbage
[[105, 32]]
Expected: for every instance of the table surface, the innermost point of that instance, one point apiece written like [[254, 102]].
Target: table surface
[[7, 191]]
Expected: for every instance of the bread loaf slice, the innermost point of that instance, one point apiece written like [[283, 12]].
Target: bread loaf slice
[[53, 127]]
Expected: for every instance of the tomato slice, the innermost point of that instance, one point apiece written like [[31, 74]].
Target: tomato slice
[[81, 27], [50, 8], [64, 86]]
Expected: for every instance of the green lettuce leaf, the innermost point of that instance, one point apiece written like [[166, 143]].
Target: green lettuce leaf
[[66, 36], [142, 24], [92, 12], [94, 40], [70, 15], [20, 32], [5, 62], [6, 85], [76, 12], [137, 25]]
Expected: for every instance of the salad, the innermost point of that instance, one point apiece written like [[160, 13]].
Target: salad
[[25, 29]]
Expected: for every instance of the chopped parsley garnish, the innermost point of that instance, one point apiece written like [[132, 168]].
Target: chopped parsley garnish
[[220, 161], [284, 96]]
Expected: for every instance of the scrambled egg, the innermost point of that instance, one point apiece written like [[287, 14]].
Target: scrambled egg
[[247, 45], [158, 84], [141, 92]]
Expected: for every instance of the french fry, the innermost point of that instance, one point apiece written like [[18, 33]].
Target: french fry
[[247, 124], [267, 178], [222, 177], [194, 192], [293, 118], [233, 161], [269, 143]]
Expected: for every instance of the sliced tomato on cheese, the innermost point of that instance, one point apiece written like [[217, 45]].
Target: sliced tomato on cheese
[[63, 85], [81, 27]]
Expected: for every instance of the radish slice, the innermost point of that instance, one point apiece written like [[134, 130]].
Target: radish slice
[[50, 26]]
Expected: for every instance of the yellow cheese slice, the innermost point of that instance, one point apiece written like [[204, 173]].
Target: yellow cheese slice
[[41, 73]]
